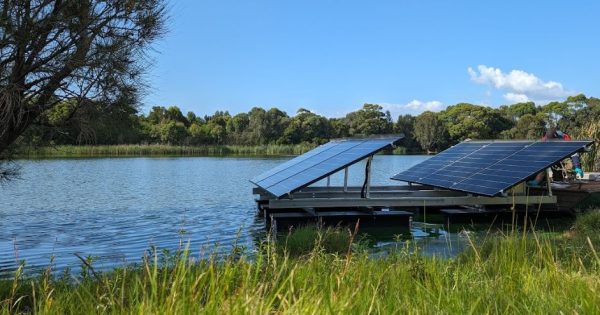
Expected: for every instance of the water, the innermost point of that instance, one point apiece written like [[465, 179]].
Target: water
[[116, 208]]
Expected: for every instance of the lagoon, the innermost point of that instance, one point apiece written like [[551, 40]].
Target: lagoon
[[114, 209]]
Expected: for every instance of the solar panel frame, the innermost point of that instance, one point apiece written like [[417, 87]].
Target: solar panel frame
[[328, 159], [472, 166]]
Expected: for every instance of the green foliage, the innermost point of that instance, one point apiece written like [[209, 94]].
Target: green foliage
[[588, 223], [515, 111], [66, 64], [120, 123], [590, 130], [306, 239], [528, 126], [306, 127], [467, 121], [406, 125], [430, 131], [507, 273], [171, 132], [369, 120]]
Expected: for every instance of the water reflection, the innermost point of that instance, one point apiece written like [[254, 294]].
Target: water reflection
[[115, 209]]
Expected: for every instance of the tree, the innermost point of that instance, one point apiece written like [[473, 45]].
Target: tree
[[306, 127], [430, 132], [257, 125], [87, 51], [277, 121], [266, 126], [528, 127], [587, 112], [369, 120], [555, 111], [172, 132], [237, 128], [174, 113], [516, 111], [339, 128], [465, 120], [198, 134], [406, 126]]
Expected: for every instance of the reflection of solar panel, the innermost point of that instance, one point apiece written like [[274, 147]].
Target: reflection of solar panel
[[489, 167], [319, 163]]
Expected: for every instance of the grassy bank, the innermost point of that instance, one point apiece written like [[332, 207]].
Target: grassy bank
[[513, 273], [73, 151]]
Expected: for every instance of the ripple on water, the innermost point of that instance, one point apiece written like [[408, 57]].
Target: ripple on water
[[116, 209]]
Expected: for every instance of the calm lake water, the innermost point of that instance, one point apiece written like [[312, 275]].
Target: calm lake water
[[116, 208]]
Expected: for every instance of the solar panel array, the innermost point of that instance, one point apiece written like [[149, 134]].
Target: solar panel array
[[319, 163], [489, 167]]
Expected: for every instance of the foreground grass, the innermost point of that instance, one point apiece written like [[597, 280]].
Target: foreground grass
[[75, 151], [515, 273]]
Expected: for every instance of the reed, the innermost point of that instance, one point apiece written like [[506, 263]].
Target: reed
[[505, 274], [306, 239], [590, 160], [127, 150]]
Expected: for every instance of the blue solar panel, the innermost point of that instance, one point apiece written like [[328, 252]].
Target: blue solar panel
[[294, 161], [489, 167], [319, 163]]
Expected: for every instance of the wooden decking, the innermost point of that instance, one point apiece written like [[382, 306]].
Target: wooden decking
[[574, 196]]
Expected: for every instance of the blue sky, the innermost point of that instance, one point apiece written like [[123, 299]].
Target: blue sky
[[409, 56]]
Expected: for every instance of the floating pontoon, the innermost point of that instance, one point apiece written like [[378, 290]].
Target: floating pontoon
[[473, 174]]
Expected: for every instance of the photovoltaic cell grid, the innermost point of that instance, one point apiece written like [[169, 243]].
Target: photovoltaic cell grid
[[489, 167], [319, 163]]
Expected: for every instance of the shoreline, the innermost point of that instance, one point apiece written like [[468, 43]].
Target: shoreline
[[159, 150], [508, 271]]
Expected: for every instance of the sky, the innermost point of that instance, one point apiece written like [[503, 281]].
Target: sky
[[409, 56]]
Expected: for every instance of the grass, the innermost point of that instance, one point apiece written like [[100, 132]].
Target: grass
[[507, 273], [590, 160], [306, 239], [75, 151]]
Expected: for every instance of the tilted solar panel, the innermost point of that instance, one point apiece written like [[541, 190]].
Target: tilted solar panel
[[319, 163], [489, 167]]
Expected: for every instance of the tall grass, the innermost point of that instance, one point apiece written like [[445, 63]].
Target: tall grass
[[306, 239], [590, 160], [67, 151], [514, 273]]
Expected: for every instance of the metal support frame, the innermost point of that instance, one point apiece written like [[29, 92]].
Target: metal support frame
[[374, 194], [368, 179], [407, 201], [345, 179], [549, 181], [319, 189]]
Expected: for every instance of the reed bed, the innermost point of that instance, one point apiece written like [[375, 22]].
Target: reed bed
[[74, 151], [590, 160], [510, 273]]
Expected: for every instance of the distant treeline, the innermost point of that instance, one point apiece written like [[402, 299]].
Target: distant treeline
[[123, 124]]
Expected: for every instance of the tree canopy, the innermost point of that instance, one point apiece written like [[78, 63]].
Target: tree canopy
[[71, 59], [428, 131]]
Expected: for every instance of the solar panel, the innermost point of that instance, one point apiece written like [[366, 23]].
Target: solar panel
[[319, 163], [489, 167]]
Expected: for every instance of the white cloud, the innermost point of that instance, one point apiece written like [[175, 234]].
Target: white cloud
[[516, 97], [419, 106], [519, 85], [413, 107]]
